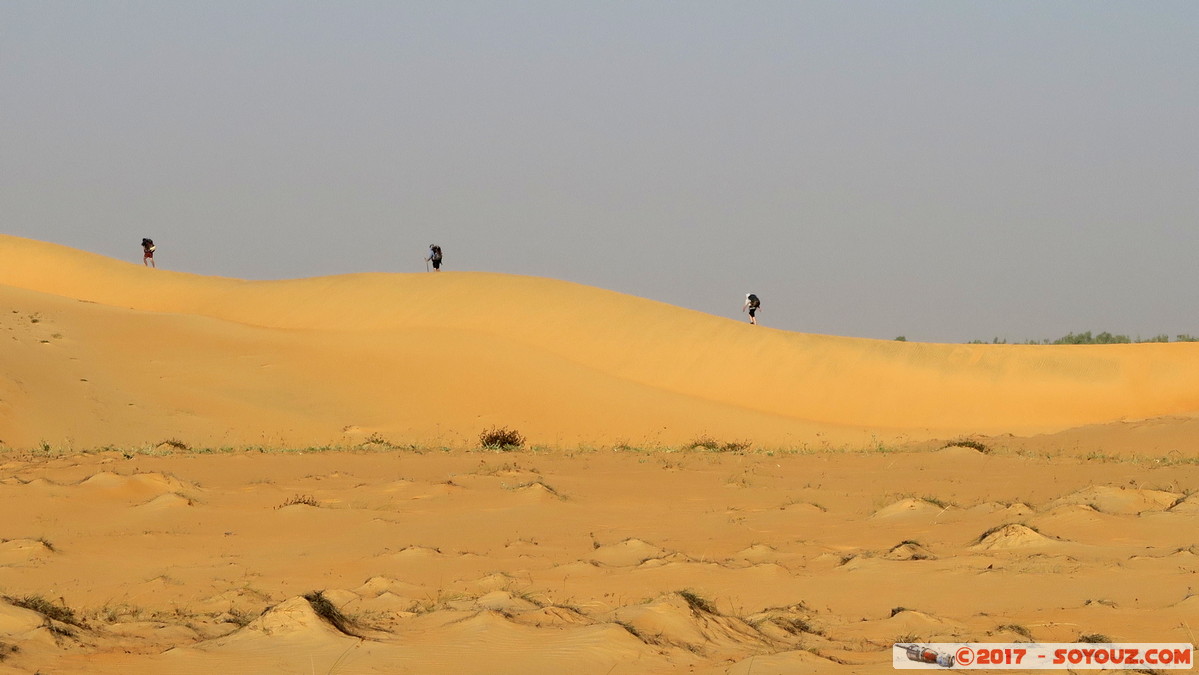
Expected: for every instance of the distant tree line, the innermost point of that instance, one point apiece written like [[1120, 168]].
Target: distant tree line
[[1087, 338]]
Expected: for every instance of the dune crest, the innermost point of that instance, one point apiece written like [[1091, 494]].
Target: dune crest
[[127, 355]]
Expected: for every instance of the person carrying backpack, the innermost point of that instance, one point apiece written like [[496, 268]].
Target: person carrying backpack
[[148, 252], [434, 256], [752, 303]]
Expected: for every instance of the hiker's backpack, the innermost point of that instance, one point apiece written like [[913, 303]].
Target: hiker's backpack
[[147, 243], [437, 253], [753, 300]]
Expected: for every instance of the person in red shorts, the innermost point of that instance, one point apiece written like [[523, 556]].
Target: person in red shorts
[[148, 252]]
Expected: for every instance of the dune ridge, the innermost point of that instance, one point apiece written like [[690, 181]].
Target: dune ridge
[[850, 493], [590, 365]]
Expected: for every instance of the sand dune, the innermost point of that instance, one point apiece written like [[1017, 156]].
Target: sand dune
[[122, 354], [205, 475]]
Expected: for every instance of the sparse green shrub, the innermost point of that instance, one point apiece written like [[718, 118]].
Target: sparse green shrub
[[501, 438], [377, 439]]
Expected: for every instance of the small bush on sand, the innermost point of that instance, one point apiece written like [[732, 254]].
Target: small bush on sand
[[1017, 629], [501, 438], [713, 445], [966, 443], [325, 610], [306, 500], [697, 603]]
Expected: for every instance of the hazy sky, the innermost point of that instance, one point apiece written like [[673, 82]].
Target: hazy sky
[[941, 170]]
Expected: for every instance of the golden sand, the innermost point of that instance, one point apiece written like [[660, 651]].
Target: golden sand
[[184, 458]]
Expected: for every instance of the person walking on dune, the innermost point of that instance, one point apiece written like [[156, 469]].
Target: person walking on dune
[[434, 257], [148, 252], [752, 303]]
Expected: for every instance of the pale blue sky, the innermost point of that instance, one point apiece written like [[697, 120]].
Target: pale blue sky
[[941, 170]]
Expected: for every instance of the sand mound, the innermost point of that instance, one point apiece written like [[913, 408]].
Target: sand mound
[[909, 507], [138, 486], [15, 621], [909, 550], [1012, 536], [294, 616], [23, 551], [1072, 514], [553, 617], [785, 663], [1011, 511], [537, 492], [907, 622], [626, 553], [687, 622], [758, 553], [1189, 504], [171, 500], [1121, 500]]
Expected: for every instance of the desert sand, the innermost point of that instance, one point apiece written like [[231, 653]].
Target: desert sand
[[205, 475]]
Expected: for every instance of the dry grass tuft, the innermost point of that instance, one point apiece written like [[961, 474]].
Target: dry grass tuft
[[501, 438], [306, 500], [712, 445], [325, 610], [967, 443], [697, 603], [37, 603]]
